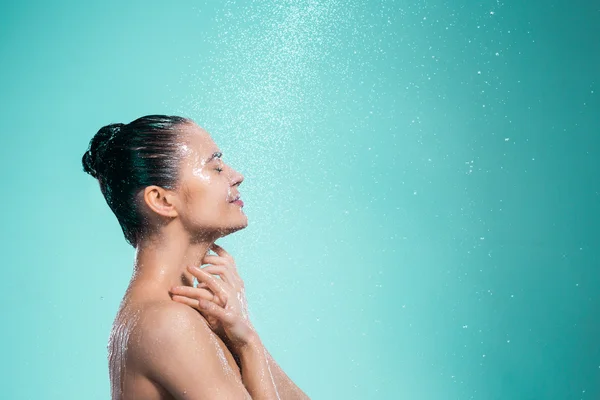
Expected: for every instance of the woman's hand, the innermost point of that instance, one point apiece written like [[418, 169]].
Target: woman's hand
[[222, 302]]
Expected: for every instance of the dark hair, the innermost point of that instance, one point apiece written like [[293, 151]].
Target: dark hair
[[128, 157]]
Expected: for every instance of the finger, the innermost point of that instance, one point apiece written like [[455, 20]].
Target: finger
[[211, 309], [192, 292], [213, 283], [187, 301], [210, 259], [194, 303], [202, 285], [218, 260], [222, 271], [233, 275], [219, 250]]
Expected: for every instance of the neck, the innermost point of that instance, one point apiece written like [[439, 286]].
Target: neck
[[161, 262]]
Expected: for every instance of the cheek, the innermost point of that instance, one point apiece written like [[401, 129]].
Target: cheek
[[206, 198], [201, 175], [194, 194], [207, 204]]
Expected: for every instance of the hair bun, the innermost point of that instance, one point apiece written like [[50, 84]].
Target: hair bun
[[93, 158]]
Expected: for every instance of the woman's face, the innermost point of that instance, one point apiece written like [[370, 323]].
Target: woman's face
[[208, 186]]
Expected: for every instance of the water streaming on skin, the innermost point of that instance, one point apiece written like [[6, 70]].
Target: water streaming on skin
[[224, 363], [242, 299], [118, 343], [271, 374], [198, 163]]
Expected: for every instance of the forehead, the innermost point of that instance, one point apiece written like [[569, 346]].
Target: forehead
[[198, 140]]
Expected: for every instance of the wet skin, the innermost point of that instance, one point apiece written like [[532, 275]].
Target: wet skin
[[139, 314], [186, 221]]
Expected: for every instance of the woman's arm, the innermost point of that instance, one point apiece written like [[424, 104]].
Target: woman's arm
[[222, 302], [253, 362], [285, 386]]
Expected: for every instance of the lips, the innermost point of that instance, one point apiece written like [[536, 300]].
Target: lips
[[236, 198]]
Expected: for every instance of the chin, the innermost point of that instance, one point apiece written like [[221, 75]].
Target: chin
[[234, 228]]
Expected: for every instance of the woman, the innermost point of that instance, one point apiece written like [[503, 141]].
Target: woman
[[164, 179]]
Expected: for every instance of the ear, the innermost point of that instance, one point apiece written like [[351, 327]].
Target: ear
[[160, 201]]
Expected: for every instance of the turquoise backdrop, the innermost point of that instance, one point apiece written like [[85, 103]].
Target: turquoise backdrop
[[422, 186]]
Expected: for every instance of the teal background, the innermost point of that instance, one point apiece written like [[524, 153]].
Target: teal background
[[421, 185]]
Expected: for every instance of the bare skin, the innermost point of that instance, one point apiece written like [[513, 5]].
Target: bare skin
[[169, 339]]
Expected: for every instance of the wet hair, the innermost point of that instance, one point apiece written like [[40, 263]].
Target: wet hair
[[126, 158]]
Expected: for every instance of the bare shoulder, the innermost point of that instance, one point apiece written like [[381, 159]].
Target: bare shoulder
[[167, 314], [165, 323], [173, 345]]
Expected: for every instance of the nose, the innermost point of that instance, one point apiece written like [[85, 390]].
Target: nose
[[236, 178]]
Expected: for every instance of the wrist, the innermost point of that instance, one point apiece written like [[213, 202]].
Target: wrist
[[250, 345]]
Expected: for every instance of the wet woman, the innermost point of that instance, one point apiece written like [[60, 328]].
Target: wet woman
[[174, 196]]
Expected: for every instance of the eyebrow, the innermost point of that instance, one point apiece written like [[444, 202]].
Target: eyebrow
[[216, 154]]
